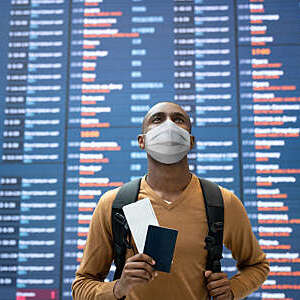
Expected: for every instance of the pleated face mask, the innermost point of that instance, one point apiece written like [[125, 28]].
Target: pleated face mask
[[167, 143]]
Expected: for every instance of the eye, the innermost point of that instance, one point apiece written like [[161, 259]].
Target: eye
[[179, 120], [156, 119]]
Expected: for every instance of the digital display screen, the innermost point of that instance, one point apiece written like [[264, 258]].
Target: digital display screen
[[77, 78]]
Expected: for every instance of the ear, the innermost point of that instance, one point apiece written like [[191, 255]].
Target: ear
[[192, 142], [141, 141]]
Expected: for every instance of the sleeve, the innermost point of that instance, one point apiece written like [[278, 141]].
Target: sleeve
[[97, 257], [252, 264]]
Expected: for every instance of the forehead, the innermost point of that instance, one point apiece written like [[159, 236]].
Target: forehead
[[166, 108]]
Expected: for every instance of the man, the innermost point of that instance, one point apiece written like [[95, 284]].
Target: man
[[177, 200]]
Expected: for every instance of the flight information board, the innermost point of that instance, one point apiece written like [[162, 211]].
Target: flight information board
[[78, 76]]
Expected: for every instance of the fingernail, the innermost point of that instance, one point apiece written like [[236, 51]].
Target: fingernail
[[153, 262]]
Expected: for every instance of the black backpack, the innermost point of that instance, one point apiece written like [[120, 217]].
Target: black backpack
[[214, 205]]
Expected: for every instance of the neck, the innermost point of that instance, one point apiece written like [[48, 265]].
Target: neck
[[168, 178]]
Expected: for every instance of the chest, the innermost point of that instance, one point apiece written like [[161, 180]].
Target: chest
[[190, 220]]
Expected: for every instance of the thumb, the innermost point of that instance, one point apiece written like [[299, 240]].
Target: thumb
[[207, 273]]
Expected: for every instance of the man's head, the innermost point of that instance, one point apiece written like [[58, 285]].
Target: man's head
[[166, 133], [161, 111]]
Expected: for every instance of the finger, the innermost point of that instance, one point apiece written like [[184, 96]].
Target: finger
[[221, 291], [216, 276], [142, 257], [218, 283], [142, 274], [136, 280], [139, 266], [207, 273]]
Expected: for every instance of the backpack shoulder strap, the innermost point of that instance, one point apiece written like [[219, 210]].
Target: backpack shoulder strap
[[214, 206], [127, 194]]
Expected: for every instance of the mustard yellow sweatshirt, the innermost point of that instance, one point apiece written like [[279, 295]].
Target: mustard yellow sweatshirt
[[187, 215]]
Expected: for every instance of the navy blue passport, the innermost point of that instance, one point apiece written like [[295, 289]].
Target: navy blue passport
[[160, 245]]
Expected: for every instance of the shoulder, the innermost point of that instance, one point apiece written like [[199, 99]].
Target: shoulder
[[102, 213], [106, 200], [230, 199], [104, 206], [234, 209]]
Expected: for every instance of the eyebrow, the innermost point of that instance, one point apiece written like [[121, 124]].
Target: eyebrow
[[163, 114], [178, 114], [158, 114]]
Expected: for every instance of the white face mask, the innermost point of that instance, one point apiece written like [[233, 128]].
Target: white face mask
[[167, 143]]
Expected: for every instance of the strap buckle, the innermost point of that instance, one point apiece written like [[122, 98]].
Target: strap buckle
[[217, 227], [127, 239]]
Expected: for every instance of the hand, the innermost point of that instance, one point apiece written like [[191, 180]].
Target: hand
[[138, 269], [218, 286]]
